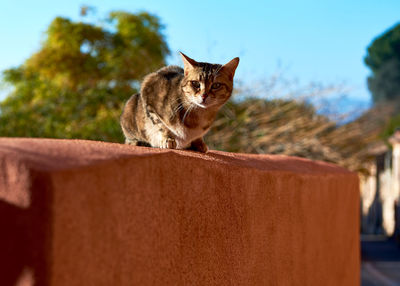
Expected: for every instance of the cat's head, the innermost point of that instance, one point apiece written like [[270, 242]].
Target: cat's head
[[206, 85]]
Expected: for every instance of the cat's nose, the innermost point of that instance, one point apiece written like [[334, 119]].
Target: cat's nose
[[204, 96]]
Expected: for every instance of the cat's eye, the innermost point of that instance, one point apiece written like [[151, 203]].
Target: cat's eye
[[216, 85], [195, 84]]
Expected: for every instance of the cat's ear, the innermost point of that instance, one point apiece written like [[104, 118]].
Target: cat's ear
[[230, 67], [188, 63]]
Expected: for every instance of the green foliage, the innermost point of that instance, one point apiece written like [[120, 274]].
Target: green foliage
[[383, 58], [391, 127], [76, 84], [385, 82]]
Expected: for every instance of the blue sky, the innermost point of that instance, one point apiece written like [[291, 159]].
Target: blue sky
[[323, 41]]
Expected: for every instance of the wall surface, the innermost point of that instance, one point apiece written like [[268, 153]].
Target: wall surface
[[90, 213], [378, 193]]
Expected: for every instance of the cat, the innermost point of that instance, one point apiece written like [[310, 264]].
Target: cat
[[176, 107]]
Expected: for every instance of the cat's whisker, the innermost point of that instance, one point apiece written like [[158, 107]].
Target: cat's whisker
[[217, 71], [180, 105], [179, 109], [187, 113], [176, 110]]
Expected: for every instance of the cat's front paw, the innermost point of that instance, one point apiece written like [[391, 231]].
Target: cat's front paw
[[198, 145], [169, 143], [203, 148]]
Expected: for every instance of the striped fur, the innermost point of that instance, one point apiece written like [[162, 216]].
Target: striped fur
[[176, 107]]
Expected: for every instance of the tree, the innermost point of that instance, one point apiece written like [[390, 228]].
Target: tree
[[76, 84], [383, 58]]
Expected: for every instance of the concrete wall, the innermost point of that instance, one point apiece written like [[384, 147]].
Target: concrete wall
[[89, 213]]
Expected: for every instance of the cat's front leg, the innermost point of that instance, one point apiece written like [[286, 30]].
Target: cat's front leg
[[157, 134], [198, 145], [136, 142], [131, 141]]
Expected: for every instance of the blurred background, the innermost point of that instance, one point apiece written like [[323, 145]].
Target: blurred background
[[316, 79]]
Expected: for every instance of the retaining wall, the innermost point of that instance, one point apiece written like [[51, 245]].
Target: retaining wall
[[90, 213]]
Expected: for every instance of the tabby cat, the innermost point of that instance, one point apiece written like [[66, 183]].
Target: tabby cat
[[176, 107]]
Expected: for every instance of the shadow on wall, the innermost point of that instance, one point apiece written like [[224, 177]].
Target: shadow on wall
[[23, 245], [378, 197], [372, 221], [13, 243], [379, 249], [371, 202]]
